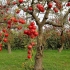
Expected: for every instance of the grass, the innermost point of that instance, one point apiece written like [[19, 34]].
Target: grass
[[53, 60]]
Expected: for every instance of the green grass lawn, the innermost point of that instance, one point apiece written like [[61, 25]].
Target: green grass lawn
[[53, 60]]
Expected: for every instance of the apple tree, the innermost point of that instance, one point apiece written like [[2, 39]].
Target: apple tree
[[36, 14]]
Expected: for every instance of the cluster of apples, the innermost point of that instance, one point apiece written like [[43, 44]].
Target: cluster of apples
[[6, 34], [12, 21], [30, 46], [50, 4], [14, 2], [31, 32], [3, 37]]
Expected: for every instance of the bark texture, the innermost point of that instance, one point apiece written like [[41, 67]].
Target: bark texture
[[39, 53], [9, 48]]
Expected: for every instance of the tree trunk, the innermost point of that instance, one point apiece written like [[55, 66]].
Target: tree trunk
[[39, 53], [9, 48], [61, 48], [62, 38]]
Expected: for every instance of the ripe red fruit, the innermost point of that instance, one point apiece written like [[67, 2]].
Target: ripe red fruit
[[20, 1], [5, 40], [6, 34], [29, 32], [13, 19], [29, 56], [34, 27], [9, 26], [4, 30], [40, 7], [30, 8], [50, 5], [68, 4], [32, 36], [30, 27], [5, 19], [32, 43], [32, 23], [29, 46], [36, 33], [9, 22], [0, 48], [0, 45], [55, 9], [32, 30], [25, 31], [22, 21], [29, 51]]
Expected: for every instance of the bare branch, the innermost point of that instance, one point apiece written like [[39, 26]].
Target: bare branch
[[36, 18]]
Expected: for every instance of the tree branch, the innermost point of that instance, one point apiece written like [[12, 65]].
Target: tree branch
[[34, 14], [65, 16], [36, 18], [45, 17], [52, 23]]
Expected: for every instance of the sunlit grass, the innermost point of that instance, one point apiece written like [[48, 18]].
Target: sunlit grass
[[53, 60]]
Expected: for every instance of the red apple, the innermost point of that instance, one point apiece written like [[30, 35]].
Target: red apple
[[68, 4], [14, 19], [40, 7], [9, 26], [6, 34], [20, 1], [25, 31], [5, 40], [30, 27], [50, 5], [0, 48], [9, 22], [5, 19], [32, 36], [36, 33], [29, 56], [29, 51], [22, 21], [29, 46], [32, 43], [0, 45], [55, 9], [4, 30], [32, 23], [30, 8]]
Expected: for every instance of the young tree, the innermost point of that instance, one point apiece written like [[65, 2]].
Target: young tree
[[32, 9]]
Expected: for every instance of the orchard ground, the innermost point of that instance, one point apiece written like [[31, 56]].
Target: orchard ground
[[53, 60]]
